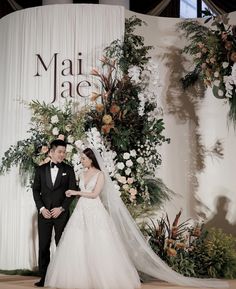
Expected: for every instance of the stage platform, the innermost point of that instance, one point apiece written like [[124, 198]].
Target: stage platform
[[20, 282]]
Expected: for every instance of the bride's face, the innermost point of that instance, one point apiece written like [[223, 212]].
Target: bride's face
[[85, 161]]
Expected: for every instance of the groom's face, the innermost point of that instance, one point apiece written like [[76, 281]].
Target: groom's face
[[58, 154]]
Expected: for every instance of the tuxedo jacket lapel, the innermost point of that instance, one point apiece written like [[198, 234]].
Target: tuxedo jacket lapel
[[48, 177], [58, 178]]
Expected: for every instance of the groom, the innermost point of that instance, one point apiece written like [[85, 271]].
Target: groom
[[50, 183]]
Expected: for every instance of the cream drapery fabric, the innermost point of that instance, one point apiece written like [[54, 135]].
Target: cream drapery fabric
[[63, 29]]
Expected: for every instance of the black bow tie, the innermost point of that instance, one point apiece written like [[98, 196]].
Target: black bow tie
[[52, 165]]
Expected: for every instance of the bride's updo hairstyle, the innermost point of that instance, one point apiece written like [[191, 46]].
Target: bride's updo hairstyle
[[90, 154]]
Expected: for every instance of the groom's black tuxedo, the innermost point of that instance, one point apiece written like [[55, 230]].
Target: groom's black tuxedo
[[51, 196]]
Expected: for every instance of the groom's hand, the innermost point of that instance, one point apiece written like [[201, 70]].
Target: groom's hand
[[55, 212], [46, 213]]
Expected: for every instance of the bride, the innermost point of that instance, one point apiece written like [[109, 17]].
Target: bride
[[101, 246]]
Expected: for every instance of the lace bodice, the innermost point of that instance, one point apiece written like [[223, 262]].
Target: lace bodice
[[90, 185]]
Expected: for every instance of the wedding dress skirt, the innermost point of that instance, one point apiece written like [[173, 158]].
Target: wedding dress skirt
[[90, 254]]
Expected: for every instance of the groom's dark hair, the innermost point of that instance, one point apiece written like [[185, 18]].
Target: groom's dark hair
[[57, 142]]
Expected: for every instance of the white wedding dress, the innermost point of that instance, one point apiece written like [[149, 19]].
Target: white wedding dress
[[101, 246], [90, 254]]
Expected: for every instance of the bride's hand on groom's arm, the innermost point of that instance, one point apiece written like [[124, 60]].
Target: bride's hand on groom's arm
[[70, 193]]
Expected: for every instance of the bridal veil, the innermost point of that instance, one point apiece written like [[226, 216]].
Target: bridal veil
[[140, 252]]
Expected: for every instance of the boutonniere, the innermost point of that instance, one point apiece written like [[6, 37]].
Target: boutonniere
[[63, 174]]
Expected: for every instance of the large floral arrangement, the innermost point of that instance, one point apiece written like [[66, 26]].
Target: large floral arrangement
[[122, 120], [192, 250], [213, 49]]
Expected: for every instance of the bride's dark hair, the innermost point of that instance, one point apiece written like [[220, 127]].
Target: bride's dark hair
[[90, 154]]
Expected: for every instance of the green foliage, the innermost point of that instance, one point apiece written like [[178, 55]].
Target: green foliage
[[132, 50], [214, 255], [47, 123], [213, 52]]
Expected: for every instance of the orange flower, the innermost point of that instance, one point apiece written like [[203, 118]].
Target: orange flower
[[99, 107], [171, 252], [208, 72], [233, 56], [114, 108], [228, 45], [107, 119], [94, 96], [180, 245], [106, 128], [196, 232], [224, 36], [170, 241], [174, 232]]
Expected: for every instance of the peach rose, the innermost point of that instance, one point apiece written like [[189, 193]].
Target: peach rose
[[44, 149], [133, 191], [130, 181], [99, 107], [61, 137]]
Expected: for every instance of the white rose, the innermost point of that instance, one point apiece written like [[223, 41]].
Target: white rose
[[220, 92], [127, 171], [125, 187], [70, 139], [68, 127], [225, 64], [79, 144], [133, 153], [122, 180], [126, 156], [117, 176], [120, 166], [140, 160], [55, 131], [54, 119], [129, 163], [216, 74], [69, 148], [216, 83]]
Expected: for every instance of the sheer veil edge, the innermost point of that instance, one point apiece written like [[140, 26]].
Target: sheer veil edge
[[141, 254]]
